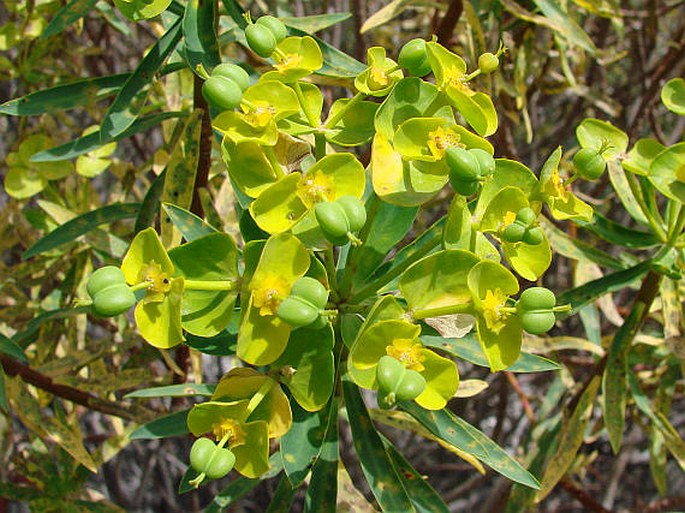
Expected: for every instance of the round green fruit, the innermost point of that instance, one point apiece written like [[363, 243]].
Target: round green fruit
[[537, 323], [104, 277], [389, 373], [221, 464], [260, 39], [113, 300], [275, 26], [310, 290], [589, 163], [488, 62], [414, 58], [354, 211], [536, 298], [200, 453], [332, 221], [534, 236], [526, 216], [297, 312], [486, 162], [514, 232], [463, 164], [233, 72], [222, 92], [411, 386]]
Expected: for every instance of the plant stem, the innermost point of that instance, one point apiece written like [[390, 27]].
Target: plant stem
[[261, 394], [331, 121], [271, 156], [226, 285], [329, 262], [438, 311], [637, 194], [313, 122]]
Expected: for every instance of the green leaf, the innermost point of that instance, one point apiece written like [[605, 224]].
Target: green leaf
[[592, 290], [171, 425], [594, 133], [190, 225], [301, 445], [667, 172], [279, 207], [182, 390], [438, 280], [22, 337], [384, 482], [315, 23], [422, 495], [570, 440], [92, 141], [621, 186], [673, 95], [455, 431], [136, 10], [129, 102], [10, 348], [641, 155], [619, 234], [565, 24], [469, 349], [385, 14], [323, 485], [355, 127], [199, 34], [159, 322], [65, 96], [82, 225], [150, 206], [70, 13], [307, 367], [387, 227]]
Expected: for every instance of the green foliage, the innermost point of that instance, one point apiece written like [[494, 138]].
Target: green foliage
[[330, 279]]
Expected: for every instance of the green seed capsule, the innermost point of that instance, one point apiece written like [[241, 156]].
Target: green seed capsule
[[260, 39], [222, 92], [297, 312], [200, 452], [526, 216], [486, 162], [275, 26], [538, 322], [463, 164], [233, 72], [354, 211], [104, 277], [310, 290], [534, 236], [113, 300], [332, 221], [411, 386], [514, 232], [389, 373], [221, 464], [414, 58], [488, 62], [536, 298], [589, 163]]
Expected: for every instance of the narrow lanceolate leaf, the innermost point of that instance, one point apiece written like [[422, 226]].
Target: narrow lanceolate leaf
[[322, 492], [129, 102], [619, 234], [592, 290], [621, 186], [23, 337], [8, 347], [190, 225], [422, 494], [315, 23], [570, 440], [242, 485], [172, 425], [301, 445], [149, 208], [379, 472], [180, 174], [92, 141], [65, 96], [455, 431], [614, 378], [81, 225], [70, 13], [183, 390], [565, 25], [199, 34]]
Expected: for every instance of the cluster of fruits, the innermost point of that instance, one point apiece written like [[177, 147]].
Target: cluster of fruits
[[339, 220], [467, 168], [110, 294], [524, 229], [535, 308], [304, 305], [396, 382]]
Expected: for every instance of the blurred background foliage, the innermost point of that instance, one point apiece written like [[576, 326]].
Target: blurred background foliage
[[64, 376]]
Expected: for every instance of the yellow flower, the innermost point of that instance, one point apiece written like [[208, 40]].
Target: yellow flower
[[440, 139], [493, 312], [232, 428], [407, 351], [159, 283], [269, 294]]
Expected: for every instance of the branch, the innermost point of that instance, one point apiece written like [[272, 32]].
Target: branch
[[583, 497], [123, 410]]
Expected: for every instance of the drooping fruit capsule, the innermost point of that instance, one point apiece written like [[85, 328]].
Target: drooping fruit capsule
[[275, 26], [234, 72], [260, 39], [414, 58], [222, 92], [589, 163]]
